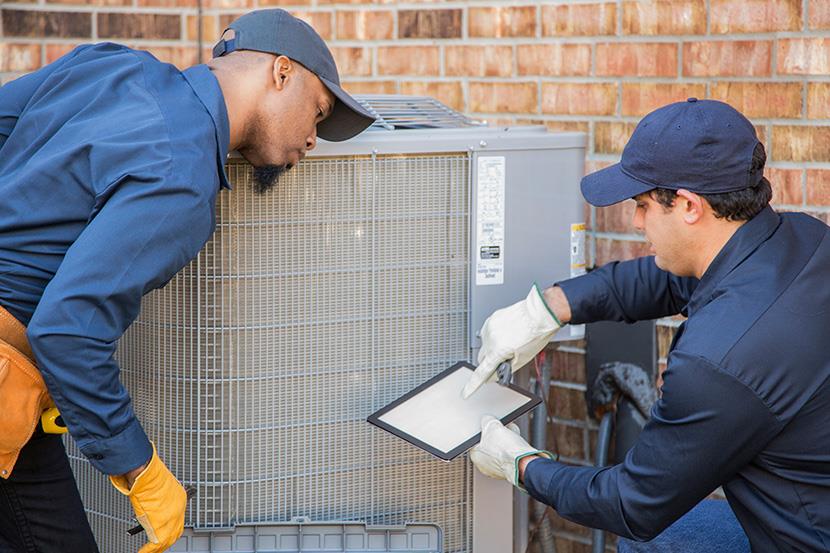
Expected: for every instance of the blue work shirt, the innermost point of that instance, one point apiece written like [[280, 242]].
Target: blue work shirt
[[110, 162], [745, 397]]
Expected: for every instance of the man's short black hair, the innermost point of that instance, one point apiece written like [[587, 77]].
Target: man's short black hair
[[741, 205]]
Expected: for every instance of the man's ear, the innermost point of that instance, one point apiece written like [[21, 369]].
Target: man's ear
[[283, 69], [691, 206]]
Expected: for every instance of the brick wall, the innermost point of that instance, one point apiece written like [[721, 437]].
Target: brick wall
[[590, 66]]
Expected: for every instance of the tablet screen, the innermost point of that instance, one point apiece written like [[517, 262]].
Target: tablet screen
[[437, 419]]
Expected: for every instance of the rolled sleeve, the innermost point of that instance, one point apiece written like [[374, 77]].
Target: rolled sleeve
[[145, 230], [704, 428]]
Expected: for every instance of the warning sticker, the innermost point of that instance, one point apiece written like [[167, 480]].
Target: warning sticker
[[577, 249], [490, 221]]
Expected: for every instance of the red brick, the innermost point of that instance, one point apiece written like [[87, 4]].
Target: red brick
[[92, 2], [579, 98], [365, 25], [511, 97], [616, 218], [566, 440], [371, 87], [353, 61], [579, 20], [800, 143], [645, 59], [818, 186], [449, 93], [496, 122], [408, 60], [227, 4], [819, 14], [180, 56], [210, 28], [349, 1], [727, 58], [554, 59], [478, 61], [786, 185], [804, 56], [568, 403], [55, 51], [643, 98], [611, 137], [664, 17], [319, 21], [754, 16], [268, 3], [133, 25], [502, 21], [40, 24], [665, 334], [167, 3], [429, 24], [19, 57], [780, 100], [818, 100], [619, 250], [564, 126], [566, 366]]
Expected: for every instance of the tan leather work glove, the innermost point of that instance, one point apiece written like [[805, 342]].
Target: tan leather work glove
[[159, 501], [501, 448], [516, 334]]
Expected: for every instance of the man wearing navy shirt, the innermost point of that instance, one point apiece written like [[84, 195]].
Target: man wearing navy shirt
[[110, 162], [746, 391]]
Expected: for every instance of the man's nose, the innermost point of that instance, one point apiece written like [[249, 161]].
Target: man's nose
[[637, 220]]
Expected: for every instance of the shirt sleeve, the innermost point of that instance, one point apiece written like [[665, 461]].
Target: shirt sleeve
[[706, 426], [15, 95], [628, 291], [145, 230]]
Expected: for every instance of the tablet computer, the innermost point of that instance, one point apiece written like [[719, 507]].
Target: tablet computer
[[438, 420]]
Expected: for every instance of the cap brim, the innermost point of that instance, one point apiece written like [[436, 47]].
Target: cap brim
[[610, 186], [348, 118]]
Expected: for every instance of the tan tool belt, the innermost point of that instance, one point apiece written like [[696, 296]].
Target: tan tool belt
[[23, 395]]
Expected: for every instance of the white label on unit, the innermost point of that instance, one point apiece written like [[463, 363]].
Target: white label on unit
[[490, 218], [577, 249], [578, 265]]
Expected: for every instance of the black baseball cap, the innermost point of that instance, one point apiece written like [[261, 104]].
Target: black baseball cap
[[704, 146], [276, 31]]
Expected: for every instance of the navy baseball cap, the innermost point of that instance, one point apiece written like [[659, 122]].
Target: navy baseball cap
[[704, 146], [278, 32]]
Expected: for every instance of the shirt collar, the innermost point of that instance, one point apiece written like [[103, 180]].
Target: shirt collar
[[207, 89], [741, 245]]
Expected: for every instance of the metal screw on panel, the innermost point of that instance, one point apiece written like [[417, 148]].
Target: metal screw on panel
[[483, 144]]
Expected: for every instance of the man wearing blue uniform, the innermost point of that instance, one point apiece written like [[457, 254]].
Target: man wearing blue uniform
[[746, 391], [110, 163]]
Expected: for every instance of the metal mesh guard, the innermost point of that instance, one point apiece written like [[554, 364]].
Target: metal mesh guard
[[311, 307]]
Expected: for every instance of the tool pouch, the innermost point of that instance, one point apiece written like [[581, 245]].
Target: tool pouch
[[23, 394]]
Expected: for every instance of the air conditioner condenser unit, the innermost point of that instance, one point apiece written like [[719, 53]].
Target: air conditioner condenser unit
[[367, 270]]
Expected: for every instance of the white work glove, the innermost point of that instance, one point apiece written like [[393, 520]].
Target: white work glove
[[516, 333], [501, 448]]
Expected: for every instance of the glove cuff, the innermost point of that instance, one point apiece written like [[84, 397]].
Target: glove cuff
[[120, 481], [540, 311], [539, 452]]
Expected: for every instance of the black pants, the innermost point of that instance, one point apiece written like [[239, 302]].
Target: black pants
[[40, 507]]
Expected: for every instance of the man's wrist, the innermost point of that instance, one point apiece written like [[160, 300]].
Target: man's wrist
[[523, 462], [557, 302], [131, 475]]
